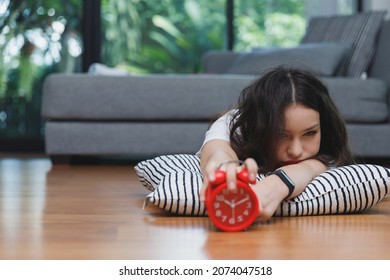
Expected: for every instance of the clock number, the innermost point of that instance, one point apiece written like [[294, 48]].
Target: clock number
[[216, 205]]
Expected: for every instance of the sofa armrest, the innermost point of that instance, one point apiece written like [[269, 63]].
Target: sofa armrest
[[217, 62]]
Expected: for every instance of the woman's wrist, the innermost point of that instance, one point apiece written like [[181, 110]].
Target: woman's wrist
[[277, 185], [270, 193], [286, 181]]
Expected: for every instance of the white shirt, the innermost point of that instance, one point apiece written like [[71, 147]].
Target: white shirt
[[220, 129]]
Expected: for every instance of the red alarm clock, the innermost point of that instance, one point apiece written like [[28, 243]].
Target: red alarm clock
[[231, 210]]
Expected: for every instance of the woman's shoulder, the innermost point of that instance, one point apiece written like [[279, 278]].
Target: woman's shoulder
[[231, 114]]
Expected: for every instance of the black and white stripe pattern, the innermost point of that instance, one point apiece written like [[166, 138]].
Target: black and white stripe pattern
[[341, 190], [175, 182], [152, 171], [360, 30]]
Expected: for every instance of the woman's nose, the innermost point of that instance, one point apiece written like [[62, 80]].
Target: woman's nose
[[295, 149]]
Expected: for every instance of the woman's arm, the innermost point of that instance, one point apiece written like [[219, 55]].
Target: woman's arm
[[272, 190], [303, 173], [212, 155], [216, 152]]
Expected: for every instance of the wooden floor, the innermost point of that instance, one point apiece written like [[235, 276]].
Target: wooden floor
[[95, 212]]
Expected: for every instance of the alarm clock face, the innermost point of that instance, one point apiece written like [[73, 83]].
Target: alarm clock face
[[232, 210]]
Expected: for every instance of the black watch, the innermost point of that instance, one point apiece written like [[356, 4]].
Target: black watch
[[286, 180]]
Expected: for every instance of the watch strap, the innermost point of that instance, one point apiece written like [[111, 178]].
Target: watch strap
[[286, 180]]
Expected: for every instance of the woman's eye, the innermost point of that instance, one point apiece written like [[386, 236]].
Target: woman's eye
[[311, 133]]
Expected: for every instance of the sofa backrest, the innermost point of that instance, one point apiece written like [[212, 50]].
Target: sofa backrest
[[380, 65]]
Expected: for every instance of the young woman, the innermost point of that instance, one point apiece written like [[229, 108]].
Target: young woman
[[285, 122]]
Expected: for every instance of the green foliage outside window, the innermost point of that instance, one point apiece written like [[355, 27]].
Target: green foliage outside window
[[36, 38], [170, 36], [268, 23], [161, 36]]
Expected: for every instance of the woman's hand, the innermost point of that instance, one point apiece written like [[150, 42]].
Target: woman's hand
[[231, 168], [218, 154], [271, 191]]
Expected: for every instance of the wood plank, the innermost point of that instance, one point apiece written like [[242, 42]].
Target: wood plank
[[95, 212]]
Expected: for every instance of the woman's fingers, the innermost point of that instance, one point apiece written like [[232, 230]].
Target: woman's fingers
[[231, 175], [231, 169], [252, 168]]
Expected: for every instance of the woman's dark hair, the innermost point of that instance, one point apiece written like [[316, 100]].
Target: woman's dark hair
[[259, 119]]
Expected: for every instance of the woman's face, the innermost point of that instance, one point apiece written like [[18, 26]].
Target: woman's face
[[301, 136]]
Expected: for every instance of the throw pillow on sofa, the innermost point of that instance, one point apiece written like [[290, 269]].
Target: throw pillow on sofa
[[360, 29], [175, 182], [322, 59]]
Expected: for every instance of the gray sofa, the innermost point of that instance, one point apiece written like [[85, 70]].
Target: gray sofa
[[139, 117]]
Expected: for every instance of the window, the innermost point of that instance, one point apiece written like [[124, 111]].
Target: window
[[36, 38], [142, 36], [268, 23], [161, 36], [170, 36]]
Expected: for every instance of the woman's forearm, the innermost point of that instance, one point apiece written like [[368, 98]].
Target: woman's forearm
[[302, 174], [271, 191], [216, 152]]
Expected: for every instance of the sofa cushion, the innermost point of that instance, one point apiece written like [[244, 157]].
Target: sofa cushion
[[160, 97], [321, 58], [379, 68], [137, 140], [185, 97], [360, 29], [369, 141], [360, 101], [175, 182]]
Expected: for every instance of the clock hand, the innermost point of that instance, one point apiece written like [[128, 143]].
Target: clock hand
[[228, 203], [241, 201]]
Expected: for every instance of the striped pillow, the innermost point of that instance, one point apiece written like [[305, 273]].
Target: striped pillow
[[360, 30], [175, 182]]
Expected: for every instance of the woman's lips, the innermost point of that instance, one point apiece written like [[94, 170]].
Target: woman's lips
[[289, 162]]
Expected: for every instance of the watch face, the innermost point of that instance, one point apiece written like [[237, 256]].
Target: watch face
[[232, 210]]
